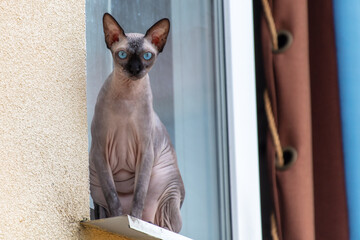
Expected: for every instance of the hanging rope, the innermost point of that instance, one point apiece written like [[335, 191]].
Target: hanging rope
[[279, 153], [273, 130], [271, 24], [274, 233], [269, 114]]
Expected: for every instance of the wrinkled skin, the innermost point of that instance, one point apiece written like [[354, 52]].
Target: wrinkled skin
[[133, 165]]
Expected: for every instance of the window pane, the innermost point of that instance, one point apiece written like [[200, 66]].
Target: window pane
[[184, 84]]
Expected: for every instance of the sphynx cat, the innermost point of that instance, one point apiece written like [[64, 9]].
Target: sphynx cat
[[133, 165]]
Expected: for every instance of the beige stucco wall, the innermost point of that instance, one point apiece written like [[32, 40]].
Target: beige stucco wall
[[43, 132]]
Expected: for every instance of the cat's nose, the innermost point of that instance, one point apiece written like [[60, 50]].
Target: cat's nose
[[134, 66], [134, 69]]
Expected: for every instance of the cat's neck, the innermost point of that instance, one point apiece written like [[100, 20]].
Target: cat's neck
[[124, 87]]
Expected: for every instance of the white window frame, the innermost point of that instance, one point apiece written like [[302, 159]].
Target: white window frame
[[242, 120]]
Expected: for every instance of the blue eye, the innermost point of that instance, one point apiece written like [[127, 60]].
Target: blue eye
[[147, 55], [122, 54]]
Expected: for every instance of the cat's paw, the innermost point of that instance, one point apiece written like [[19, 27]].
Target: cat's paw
[[116, 212], [136, 213]]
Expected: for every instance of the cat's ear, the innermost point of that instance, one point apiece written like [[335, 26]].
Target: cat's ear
[[112, 30], [158, 33]]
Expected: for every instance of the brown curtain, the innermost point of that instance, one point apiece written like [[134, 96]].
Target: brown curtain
[[307, 198], [331, 220]]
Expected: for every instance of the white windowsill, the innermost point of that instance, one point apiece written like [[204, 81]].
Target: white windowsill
[[134, 228]]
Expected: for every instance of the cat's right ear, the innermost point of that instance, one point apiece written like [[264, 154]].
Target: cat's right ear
[[112, 30]]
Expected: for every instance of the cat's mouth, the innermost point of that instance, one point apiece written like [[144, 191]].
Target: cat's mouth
[[135, 77]]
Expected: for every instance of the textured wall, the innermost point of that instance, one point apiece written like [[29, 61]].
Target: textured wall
[[43, 132]]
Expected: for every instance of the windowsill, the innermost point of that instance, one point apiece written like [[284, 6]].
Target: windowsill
[[133, 228]]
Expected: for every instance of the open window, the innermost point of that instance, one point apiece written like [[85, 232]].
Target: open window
[[188, 84]]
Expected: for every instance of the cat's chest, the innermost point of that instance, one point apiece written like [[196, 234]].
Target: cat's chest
[[123, 146], [126, 130]]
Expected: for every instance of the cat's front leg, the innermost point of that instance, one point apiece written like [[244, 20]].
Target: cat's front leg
[[107, 182], [142, 180]]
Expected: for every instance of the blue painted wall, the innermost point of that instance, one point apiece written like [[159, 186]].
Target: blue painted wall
[[347, 29]]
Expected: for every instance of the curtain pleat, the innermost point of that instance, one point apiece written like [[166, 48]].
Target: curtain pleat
[[331, 220], [287, 78]]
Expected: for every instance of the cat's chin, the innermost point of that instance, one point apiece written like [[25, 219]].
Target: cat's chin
[[136, 77]]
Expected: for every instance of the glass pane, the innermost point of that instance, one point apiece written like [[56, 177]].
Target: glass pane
[[184, 83]]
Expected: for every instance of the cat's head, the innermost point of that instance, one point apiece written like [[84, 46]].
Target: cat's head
[[134, 53]]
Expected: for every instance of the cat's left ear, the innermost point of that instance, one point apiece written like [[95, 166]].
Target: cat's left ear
[[158, 33]]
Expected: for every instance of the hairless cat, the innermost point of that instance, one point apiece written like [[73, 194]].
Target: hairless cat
[[133, 165]]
